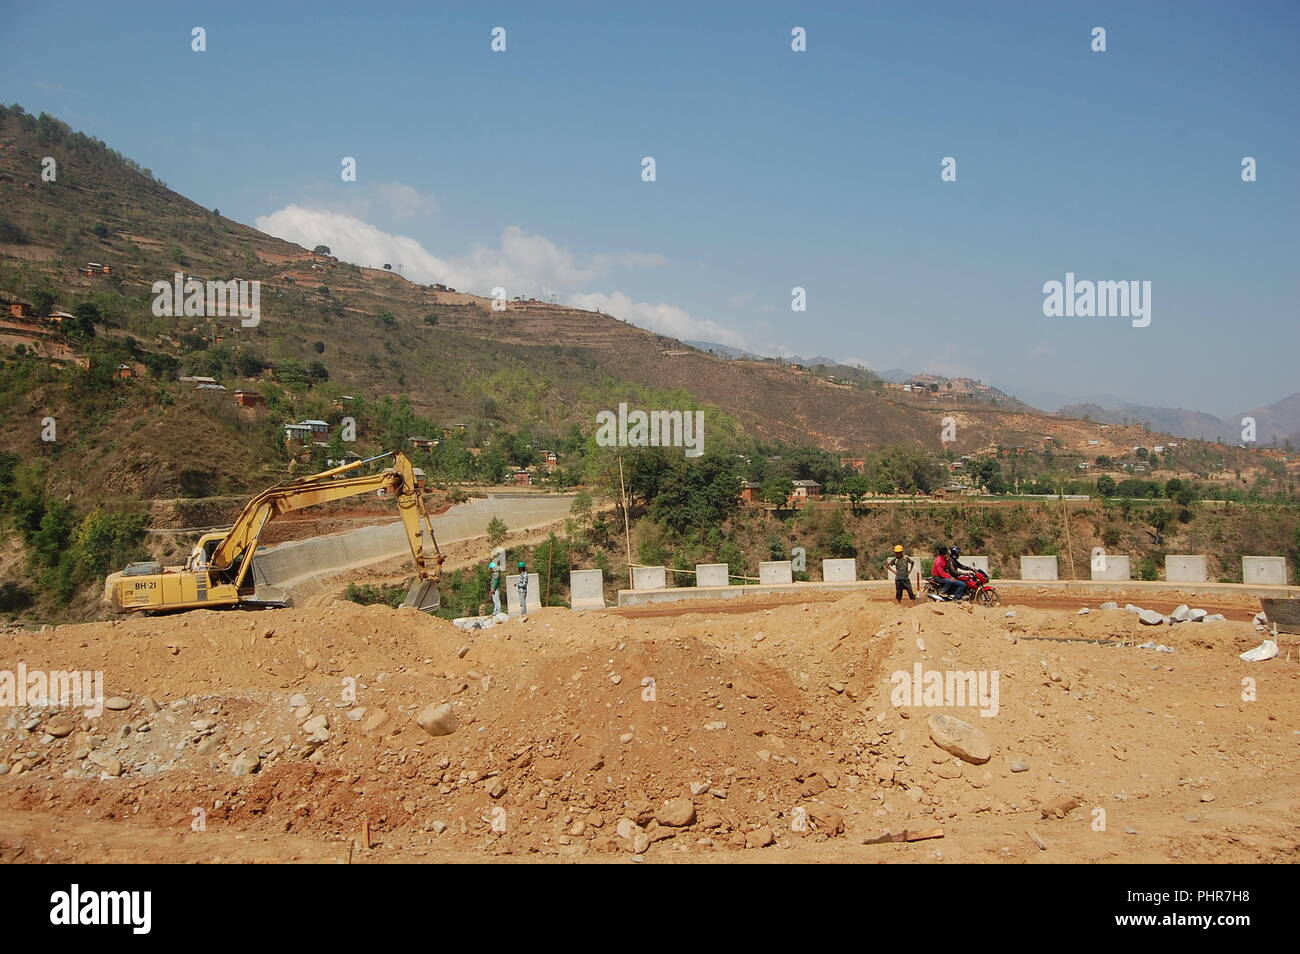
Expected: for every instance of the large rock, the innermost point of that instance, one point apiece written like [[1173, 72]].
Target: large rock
[[960, 738], [1150, 617], [110, 764], [825, 818], [317, 727], [375, 721], [676, 812], [1182, 613], [437, 718], [59, 728], [246, 763]]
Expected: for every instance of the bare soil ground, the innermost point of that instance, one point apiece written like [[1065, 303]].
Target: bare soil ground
[[750, 734]]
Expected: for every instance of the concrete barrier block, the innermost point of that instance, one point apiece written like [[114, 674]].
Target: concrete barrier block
[[979, 562], [1182, 568], [586, 589], [839, 571], [1264, 570], [534, 593], [1038, 568], [649, 577], [1110, 566], [776, 571], [711, 574]]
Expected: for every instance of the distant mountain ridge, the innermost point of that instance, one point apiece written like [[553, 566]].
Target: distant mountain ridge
[[1275, 423]]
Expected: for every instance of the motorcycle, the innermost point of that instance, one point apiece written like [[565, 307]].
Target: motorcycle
[[977, 588]]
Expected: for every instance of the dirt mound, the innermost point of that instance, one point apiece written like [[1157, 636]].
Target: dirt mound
[[594, 734]]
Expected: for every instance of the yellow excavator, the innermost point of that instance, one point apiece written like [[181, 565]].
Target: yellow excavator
[[219, 571]]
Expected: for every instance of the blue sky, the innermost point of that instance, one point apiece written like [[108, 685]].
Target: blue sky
[[775, 169]]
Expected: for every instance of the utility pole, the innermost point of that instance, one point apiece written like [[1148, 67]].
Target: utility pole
[[1065, 519], [627, 529]]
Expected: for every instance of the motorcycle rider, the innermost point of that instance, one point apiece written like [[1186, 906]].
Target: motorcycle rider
[[962, 572], [953, 588]]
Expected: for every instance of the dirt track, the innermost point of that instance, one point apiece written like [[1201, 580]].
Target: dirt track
[[771, 733], [1233, 608]]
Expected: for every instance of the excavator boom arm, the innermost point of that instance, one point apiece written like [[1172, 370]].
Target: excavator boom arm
[[241, 541]]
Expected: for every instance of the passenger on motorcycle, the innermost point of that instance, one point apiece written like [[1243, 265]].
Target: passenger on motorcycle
[[953, 588]]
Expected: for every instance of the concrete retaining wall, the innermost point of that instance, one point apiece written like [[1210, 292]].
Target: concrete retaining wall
[[1182, 568], [649, 577], [711, 574], [1110, 566], [586, 589], [1264, 569], [839, 571], [776, 571], [534, 593], [289, 564], [1038, 568]]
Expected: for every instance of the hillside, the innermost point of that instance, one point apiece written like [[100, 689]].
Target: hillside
[[1275, 423], [371, 333]]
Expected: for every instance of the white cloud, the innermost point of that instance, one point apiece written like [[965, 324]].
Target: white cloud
[[521, 263], [663, 318], [354, 240]]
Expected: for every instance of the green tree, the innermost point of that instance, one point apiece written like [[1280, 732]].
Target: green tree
[[497, 531], [777, 490]]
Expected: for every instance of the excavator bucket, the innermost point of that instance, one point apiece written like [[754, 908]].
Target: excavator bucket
[[424, 596], [1285, 613]]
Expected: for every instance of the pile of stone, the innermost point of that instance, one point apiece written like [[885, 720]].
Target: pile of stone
[[1181, 614]]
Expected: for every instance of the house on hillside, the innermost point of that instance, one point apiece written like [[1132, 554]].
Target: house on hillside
[[749, 490], [249, 399], [210, 388], [806, 490], [423, 443], [123, 371], [297, 433], [521, 478], [20, 309], [342, 402]]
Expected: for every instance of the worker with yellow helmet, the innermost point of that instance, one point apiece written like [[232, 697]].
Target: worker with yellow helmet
[[900, 564]]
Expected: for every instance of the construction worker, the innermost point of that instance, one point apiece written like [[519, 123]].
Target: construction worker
[[901, 566], [521, 585], [494, 588]]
